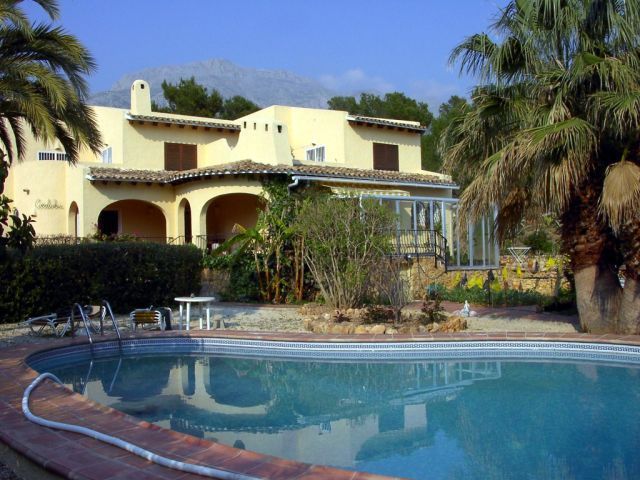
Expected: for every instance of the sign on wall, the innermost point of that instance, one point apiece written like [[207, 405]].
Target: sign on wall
[[48, 205]]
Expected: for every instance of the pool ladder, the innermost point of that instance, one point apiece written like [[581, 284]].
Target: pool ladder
[[106, 310]]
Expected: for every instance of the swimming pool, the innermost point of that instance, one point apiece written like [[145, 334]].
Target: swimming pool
[[420, 410]]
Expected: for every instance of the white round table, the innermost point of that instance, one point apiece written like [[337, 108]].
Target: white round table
[[202, 301]]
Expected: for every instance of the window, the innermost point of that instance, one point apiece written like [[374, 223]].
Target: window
[[385, 157], [316, 154], [180, 156], [53, 155], [107, 155], [279, 128]]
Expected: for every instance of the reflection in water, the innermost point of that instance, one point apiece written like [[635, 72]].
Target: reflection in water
[[471, 419]]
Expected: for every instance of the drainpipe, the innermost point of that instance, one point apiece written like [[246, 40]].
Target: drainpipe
[[294, 184]]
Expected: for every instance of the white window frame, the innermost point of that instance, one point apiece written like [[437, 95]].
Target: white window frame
[[107, 155], [47, 155], [316, 154]]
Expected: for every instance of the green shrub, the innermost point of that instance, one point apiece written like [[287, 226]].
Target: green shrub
[[344, 239], [540, 242], [129, 275], [479, 296], [243, 281], [431, 310]]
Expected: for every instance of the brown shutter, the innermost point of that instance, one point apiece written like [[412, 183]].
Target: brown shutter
[[385, 157], [172, 156], [178, 156], [189, 157]]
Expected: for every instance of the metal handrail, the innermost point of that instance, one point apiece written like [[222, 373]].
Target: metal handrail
[[107, 310], [85, 321]]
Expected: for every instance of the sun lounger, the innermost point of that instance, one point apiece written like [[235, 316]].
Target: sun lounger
[[60, 322], [146, 316], [59, 325]]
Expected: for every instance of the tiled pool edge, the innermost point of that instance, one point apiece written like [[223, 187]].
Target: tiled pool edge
[[72, 456]]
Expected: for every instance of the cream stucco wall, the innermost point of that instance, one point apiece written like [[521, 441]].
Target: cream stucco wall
[[47, 189]]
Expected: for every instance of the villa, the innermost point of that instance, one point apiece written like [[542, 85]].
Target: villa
[[183, 179]]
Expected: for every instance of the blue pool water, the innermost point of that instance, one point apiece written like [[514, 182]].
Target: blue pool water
[[427, 419]]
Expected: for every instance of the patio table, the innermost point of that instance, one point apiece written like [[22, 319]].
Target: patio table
[[204, 302]]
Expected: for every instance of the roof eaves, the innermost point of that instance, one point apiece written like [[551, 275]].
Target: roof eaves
[[185, 122]]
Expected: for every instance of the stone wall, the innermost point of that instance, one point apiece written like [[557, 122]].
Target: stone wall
[[544, 274]]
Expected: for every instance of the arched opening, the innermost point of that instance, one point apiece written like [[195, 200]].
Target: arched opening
[[133, 217], [184, 221], [223, 212], [72, 223]]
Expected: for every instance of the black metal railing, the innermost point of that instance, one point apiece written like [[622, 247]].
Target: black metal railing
[[419, 243]]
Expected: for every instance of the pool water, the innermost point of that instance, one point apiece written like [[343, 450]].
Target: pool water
[[419, 419]]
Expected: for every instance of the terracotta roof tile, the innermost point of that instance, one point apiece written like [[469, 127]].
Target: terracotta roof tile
[[174, 120], [249, 167], [387, 122]]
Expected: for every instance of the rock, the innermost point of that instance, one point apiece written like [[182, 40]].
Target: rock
[[423, 329], [335, 329], [454, 324], [391, 331], [308, 324], [326, 316], [378, 329], [434, 327], [360, 329], [404, 329]]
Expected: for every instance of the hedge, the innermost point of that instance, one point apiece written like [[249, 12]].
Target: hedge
[[127, 274]]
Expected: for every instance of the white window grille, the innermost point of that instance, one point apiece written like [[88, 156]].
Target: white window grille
[[53, 155], [107, 155], [316, 154]]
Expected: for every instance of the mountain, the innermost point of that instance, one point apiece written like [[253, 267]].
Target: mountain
[[264, 87]]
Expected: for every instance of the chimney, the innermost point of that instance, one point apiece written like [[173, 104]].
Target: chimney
[[140, 98]]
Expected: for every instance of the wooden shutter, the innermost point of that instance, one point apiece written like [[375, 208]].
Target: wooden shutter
[[172, 156], [385, 157], [189, 157], [179, 156]]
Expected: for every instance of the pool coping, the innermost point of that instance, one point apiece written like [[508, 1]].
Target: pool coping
[[74, 456]]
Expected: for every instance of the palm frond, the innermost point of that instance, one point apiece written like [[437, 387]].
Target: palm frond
[[620, 199]]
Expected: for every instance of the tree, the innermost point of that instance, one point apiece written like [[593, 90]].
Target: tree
[[188, 97], [393, 105], [431, 157], [555, 127], [236, 107], [43, 90]]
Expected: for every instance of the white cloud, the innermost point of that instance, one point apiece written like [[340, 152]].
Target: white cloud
[[354, 81]]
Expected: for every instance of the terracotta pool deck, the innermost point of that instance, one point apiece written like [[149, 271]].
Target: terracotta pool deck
[[71, 455]]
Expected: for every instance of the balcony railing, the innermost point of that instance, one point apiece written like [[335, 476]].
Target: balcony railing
[[419, 243]]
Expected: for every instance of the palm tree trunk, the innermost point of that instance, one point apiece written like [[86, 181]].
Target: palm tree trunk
[[594, 263], [598, 298], [630, 305]]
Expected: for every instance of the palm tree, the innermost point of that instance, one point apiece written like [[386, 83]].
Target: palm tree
[[555, 127], [42, 88]]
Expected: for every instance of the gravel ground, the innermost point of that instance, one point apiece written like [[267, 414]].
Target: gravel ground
[[287, 319]]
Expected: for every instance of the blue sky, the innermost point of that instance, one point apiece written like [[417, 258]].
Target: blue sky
[[348, 45]]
